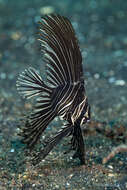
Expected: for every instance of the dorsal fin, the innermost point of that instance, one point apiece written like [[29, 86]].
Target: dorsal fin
[[61, 51]]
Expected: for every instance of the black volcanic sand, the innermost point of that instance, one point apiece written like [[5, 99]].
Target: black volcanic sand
[[101, 28]]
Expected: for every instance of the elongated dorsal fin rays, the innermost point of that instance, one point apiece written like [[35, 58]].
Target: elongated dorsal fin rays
[[61, 50]]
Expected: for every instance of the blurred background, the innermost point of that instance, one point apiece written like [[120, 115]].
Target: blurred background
[[101, 28]]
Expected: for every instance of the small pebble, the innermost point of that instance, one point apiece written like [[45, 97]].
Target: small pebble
[[25, 177], [68, 184], [110, 167], [47, 10], [120, 162], [111, 175], [111, 79], [16, 35], [96, 76], [12, 150], [120, 82], [70, 176]]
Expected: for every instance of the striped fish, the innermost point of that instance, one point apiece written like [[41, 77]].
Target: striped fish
[[63, 92]]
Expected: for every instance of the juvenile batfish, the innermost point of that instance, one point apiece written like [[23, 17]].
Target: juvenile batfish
[[63, 93]]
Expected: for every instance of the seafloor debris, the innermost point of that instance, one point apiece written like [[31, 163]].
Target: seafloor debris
[[116, 150], [115, 132]]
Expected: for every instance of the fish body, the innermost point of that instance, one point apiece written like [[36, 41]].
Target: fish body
[[63, 92]]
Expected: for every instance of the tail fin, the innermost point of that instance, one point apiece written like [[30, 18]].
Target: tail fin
[[30, 84]]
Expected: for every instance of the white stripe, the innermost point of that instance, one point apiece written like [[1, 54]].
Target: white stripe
[[72, 63], [60, 81], [51, 59], [64, 59], [46, 23], [64, 47]]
